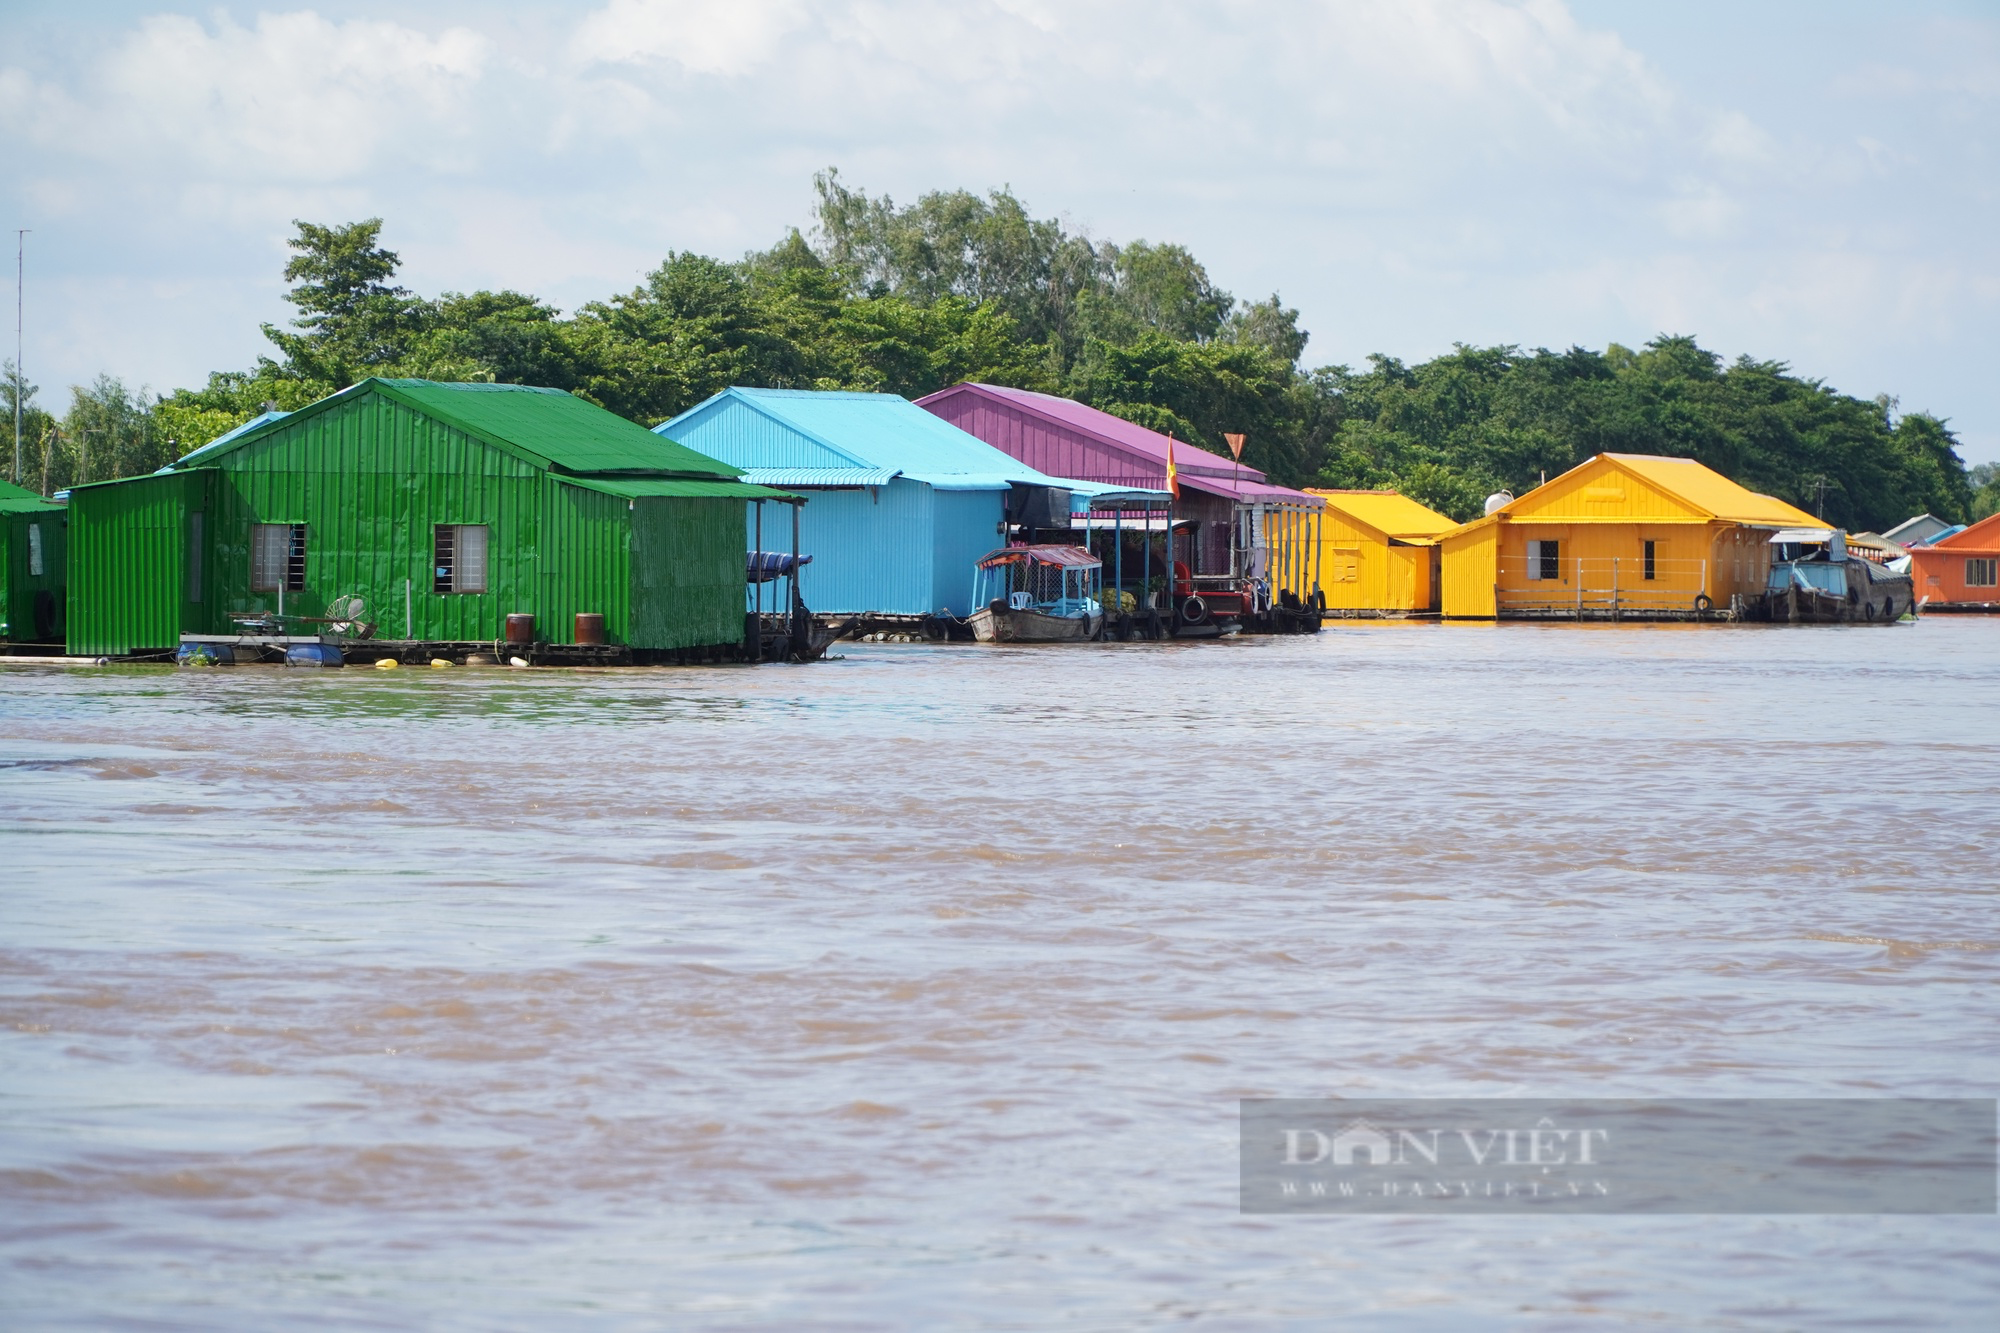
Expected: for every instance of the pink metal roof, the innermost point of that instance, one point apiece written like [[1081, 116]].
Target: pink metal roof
[[1067, 439], [1146, 446]]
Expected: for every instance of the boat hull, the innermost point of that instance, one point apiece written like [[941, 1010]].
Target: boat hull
[[1874, 597], [1010, 626]]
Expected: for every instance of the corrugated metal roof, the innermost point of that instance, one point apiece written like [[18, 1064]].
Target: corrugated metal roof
[[1387, 512], [197, 457], [1188, 458], [19, 500], [1981, 536], [1924, 527], [571, 433], [861, 430], [1252, 492], [820, 476], [640, 488], [554, 428], [1074, 557], [1087, 495], [1706, 489]]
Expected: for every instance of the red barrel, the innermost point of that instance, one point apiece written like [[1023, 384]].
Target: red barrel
[[590, 627], [520, 629]]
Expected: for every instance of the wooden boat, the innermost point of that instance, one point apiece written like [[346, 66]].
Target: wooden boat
[[1816, 581], [1037, 594]]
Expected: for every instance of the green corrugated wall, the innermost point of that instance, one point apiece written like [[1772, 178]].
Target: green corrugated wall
[[128, 546], [371, 480], [18, 587], [586, 562], [687, 572]]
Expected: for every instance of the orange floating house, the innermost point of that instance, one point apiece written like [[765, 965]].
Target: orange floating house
[[1962, 571]]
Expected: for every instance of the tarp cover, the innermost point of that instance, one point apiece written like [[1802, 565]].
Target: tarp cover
[[763, 566]]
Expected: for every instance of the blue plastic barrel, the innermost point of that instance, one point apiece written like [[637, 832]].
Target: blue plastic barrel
[[204, 655], [313, 655]]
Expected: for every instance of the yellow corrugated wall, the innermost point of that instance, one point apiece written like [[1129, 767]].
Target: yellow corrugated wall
[[1602, 513], [1715, 557], [1469, 570], [1360, 571]]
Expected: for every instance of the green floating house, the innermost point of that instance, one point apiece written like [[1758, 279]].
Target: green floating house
[[32, 569], [444, 507]]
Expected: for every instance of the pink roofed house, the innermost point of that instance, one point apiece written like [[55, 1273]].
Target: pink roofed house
[[1235, 509]]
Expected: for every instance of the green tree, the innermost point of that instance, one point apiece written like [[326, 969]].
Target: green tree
[[352, 321], [1268, 324], [958, 285], [1985, 480], [108, 432], [1200, 392], [37, 427]]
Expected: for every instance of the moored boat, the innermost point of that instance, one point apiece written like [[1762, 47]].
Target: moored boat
[[1037, 594], [1816, 580]]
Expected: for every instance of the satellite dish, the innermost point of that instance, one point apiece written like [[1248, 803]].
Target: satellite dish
[[1499, 499]]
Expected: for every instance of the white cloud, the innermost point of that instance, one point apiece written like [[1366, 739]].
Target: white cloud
[[727, 37], [293, 97]]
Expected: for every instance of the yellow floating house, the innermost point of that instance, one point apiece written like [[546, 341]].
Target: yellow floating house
[[1621, 536], [1378, 553]]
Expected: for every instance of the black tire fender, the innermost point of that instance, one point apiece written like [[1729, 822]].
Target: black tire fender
[[1194, 610], [1703, 602]]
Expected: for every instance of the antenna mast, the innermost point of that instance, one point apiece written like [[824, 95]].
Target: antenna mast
[[20, 375]]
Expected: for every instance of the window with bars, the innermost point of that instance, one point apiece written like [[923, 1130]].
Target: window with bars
[[278, 557], [1544, 561], [460, 558], [1982, 573], [1652, 565], [34, 550]]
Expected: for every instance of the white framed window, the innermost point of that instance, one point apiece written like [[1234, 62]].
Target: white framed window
[[34, 550], [1982, 573], [278, 557], [1544, 561], [459, 558]]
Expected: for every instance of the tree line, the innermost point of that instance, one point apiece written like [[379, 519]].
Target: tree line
[[957, 286]]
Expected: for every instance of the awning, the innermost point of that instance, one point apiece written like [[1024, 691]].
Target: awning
[[675, 488], [1254, 492], [821, 478], [1092, 496]]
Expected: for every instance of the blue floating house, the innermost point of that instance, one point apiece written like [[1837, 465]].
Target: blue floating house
[[902, 503]]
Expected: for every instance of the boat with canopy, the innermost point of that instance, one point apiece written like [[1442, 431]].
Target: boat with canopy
[[1037, 594]]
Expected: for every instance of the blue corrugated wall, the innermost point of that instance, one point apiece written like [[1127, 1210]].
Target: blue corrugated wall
[[966, 526], [871, 550], [741, 436]]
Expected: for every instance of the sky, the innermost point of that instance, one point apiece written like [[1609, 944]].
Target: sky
[[1808, 182]]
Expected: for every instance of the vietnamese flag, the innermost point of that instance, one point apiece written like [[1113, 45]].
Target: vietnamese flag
[[1173, 473]]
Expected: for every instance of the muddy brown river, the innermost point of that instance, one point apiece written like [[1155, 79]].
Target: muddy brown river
[[917, 989]]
